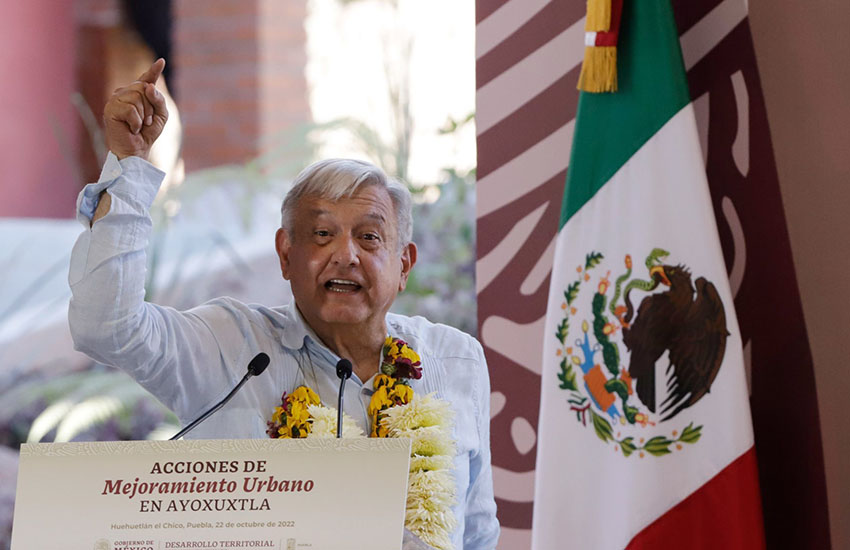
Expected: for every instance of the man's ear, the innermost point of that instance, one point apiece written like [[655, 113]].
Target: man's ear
[[283, 244], [408, 259]]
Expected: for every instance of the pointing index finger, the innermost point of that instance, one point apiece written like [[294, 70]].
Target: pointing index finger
[[152, 74]]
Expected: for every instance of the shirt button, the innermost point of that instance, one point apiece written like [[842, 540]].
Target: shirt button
[[116, 173]]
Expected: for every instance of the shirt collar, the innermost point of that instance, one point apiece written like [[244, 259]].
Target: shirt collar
[[296, 331]]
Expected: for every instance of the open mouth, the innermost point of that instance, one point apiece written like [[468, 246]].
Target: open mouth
[[342, 285]]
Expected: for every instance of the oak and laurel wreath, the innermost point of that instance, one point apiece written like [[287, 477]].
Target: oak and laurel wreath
[[580, 404]]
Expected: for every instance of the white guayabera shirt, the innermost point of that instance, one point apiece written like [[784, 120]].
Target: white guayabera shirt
[[190, 360]]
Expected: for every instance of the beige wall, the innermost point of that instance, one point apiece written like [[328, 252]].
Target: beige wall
[[803, 52]]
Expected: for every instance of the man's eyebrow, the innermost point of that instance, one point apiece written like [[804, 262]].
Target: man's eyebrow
[[377, 216], [374, 215], [317, 212]]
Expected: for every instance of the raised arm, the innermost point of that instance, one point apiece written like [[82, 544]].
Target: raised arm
[[133, 119], [175, 355]]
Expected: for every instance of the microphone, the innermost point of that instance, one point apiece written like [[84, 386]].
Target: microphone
[[343, 371], [255, 368]]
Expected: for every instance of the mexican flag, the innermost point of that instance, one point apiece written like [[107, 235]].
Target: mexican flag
[[645, 436]]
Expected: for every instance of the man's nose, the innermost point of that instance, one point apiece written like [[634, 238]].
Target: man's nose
[[346, 251]]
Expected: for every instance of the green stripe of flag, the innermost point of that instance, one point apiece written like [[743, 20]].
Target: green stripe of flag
[[610, 128]]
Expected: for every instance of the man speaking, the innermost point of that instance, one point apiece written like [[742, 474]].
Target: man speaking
[[344, 245]]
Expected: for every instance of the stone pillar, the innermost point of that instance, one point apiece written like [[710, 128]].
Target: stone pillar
[[38, 140]]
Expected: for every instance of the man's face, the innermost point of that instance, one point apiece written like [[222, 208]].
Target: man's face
[[343, 260]]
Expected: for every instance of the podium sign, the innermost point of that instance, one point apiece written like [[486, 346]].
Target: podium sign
[[287, 494]]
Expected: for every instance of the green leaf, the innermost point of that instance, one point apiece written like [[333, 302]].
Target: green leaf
[[628, 446], [592, 260], [567, 376], [691, 434], [572, 292], [577, 399], [563, 330], [602, 427], [658, 445], [615, 385]]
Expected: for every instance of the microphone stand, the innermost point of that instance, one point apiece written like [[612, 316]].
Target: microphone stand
[[343, 371], [256, 367]]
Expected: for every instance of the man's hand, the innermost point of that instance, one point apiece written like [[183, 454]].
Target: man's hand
[[135, 115]]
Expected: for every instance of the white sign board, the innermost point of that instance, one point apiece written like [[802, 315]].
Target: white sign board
[[286, 494]]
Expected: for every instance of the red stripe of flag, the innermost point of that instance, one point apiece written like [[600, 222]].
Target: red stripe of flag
[[723, 513]]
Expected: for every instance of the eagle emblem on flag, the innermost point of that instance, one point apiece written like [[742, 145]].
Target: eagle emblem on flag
[[613, 338]]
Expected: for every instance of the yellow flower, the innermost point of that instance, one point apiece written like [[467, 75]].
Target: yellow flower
[[380, 400], [383, 380], [298, 414], [408, 353], [389, 347], [378, 428], [278, 412], [401, 393], [305, 395]]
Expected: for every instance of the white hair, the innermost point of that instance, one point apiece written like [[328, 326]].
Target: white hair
[[333, 179]]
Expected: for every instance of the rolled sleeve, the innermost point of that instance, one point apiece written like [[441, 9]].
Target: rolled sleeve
[[146, 180]]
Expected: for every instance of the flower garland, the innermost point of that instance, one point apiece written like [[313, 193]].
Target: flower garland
[[394, 412], [399, 364]]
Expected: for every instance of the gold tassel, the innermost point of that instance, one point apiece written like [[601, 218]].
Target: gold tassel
[[599, 70], [598, 15]]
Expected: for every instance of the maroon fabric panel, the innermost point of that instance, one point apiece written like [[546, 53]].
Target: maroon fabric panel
[[689, 13], [546, 24], [485, 8], [783, 400], [549, 111], [535, 121], [503, 298]]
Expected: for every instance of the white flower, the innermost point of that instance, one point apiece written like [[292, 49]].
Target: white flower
[[428, 514], [427, 421], [419, 463], [324, 423], [421, 412]]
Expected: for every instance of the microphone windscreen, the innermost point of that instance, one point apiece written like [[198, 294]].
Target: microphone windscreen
[[343, 368], [258, 364]]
